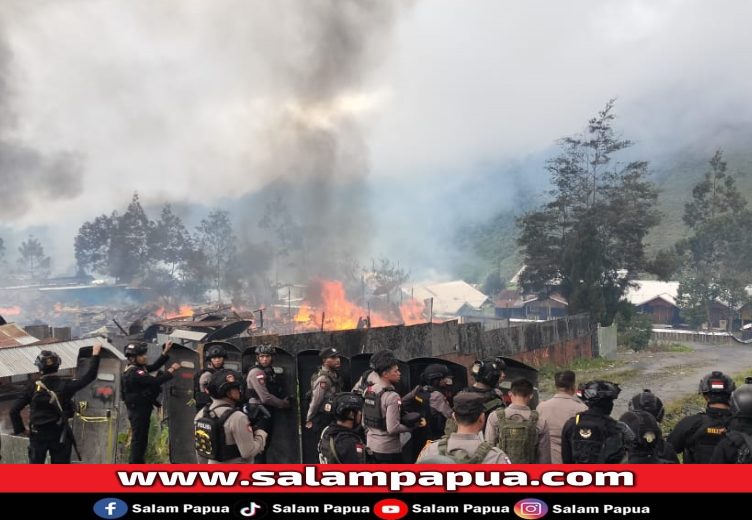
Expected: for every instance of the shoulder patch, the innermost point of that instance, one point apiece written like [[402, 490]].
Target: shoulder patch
[[141, 372], [250, 428], [323, 385]]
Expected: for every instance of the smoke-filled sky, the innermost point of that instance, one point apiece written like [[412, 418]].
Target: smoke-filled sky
[[405, 106]]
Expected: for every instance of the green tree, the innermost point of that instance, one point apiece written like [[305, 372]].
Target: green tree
[[92, 244], [216, 239], [717, 255], [170, 241], [33, 260], [588, 240], [128, 254]]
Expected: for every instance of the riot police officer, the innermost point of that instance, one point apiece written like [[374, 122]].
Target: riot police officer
[[340, 442], [51, 406], [140, 393], [324, 384], [215, 354], [488, 374], [241, 440], [736, 445], [265, 390], [696, 436], [593, 436]]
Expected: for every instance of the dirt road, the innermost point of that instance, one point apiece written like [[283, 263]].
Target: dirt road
[[675, 375]]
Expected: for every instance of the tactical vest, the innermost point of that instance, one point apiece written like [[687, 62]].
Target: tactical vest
[[702, 443], [210, 437], [328, 446], [273, 383], [43, 409], [132, 394], [373, 414], [518, 438], [492, 402], [201, 398], [363, 382], [596, 439], [743, 444], [478, 458]]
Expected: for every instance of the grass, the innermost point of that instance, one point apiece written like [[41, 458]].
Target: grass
[[586, 369]]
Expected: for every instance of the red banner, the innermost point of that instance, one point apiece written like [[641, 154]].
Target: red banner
[[426, 478]]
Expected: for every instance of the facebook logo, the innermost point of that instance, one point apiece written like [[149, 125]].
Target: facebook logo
[[110, 508]]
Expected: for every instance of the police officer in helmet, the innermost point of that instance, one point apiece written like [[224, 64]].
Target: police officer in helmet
[[488, 374], [696, 436], [734, 447], [593, 436], [215, 354], [141, 390], [340, 442], [242, 440], [50, 399], [264, 389]]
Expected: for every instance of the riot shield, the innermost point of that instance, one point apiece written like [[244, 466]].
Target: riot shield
[[517, 369], [233, 329], [100, 410], [283, 443], [179, 405], [308, 362], [420, 436]]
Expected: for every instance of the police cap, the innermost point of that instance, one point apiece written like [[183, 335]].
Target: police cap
[[330, 352], [468, 403]]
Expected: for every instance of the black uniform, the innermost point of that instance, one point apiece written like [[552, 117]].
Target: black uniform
[[349, 447], [727, 449], [696, 436], [593, 437], [48, 430], [140, 391]]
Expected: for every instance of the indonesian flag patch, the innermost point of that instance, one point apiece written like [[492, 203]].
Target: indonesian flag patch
[[717, 385], [140, 372], [322, 385], [359, 449], [260, 378]]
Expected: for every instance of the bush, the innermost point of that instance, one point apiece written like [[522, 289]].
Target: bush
[[634, 330]]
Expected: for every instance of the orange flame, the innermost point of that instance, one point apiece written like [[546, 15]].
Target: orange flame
[[338, 313], [184, 312], [10, 311]]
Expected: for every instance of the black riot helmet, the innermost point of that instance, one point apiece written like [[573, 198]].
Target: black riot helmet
[[217, 349], [741, 401], [222, 381], [648, 402], [341, 404], [594, 392], [434, 371], [488, 370], [717, 387], [136, 349], [265, 349], [47, 362]]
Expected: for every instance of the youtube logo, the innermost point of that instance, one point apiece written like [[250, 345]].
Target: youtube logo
[[390, 509]]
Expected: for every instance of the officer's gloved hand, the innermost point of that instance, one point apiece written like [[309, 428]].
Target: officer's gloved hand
[[411, 420], [263, 423]]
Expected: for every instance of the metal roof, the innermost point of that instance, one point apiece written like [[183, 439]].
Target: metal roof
[[19, 360], [11, 335]]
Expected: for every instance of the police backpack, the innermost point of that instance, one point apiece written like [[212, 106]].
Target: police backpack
[[596, 439], [518, 437], [209, 433]]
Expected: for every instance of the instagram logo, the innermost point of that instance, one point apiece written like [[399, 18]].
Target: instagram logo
[[530, 508]]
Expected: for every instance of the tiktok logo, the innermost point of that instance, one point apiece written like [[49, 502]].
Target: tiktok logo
[[255, 509]]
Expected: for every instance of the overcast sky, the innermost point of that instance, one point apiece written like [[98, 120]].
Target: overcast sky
[[205, 101]]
